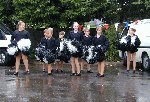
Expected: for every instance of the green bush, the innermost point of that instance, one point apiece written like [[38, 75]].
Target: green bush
[[112, 54]]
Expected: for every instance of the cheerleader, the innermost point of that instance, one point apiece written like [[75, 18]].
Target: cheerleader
[[87, 41], [101, 43], [50, 48], [77, 36], [59, 63], [19, 34], [132, 45]]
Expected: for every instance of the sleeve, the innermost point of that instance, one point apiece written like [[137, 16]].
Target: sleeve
[[28, 35], [57, 43], [81, 36], [69, 36], [13, 36], [54, 47], [93, 41], [43, 42], [137, 42], [105, 45]]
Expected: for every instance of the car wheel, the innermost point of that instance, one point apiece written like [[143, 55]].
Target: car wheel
[[145, 62], [3, 57]]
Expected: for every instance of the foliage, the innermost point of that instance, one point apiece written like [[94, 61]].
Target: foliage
[[60, 13], [112, 54]]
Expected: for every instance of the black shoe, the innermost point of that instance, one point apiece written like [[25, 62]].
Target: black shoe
[[50, 74], [134, 71], [78, 74], [16, 73], [127, 71], [89, 71], [72, 74], [101, 75], [98, 75]]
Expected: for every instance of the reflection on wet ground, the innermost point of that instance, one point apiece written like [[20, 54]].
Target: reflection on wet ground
[[117, 86]]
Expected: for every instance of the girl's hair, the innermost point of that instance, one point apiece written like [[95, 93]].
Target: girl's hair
[[50, 30], [133, 29], [85, 28], [62, 33], [99, 27], [45, 30], [19, 23], [75, 23]]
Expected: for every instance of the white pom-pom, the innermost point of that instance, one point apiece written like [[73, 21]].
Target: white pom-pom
[[90, 50], [123, 40], [45, 60], [61, 46], [12, 50], [133, 39], [24, 44], [72, 48], [37, 58]]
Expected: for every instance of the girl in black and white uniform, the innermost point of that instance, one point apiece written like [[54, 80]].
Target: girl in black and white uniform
[[50, 45], [19, 34], [62, 52], [133, 42], [101, 42], [86, 42], [77, 36]]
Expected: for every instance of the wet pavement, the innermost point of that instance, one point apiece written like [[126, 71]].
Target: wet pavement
[[116, 86]]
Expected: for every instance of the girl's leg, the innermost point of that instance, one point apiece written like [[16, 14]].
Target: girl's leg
[[44, 66], [82, 64], [18, 58], [77, 65], [89, 68], [102, 68], [99, 67], [73, 64], [128, 60], [61, 65], [49, 66], [134, 61], [25, 61], [57, 66]]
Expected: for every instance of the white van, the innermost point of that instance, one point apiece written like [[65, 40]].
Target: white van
[[5, 40], [143, 53]]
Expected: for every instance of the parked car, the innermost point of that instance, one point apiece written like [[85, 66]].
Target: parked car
[[143, 53], [5, 40]]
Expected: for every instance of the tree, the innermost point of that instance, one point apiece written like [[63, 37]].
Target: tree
[[57, 13]]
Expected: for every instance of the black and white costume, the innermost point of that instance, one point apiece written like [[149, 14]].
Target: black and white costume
[[74, 43], [133, 42], [20, 43], [62, 51], [122, 44], [39, 51], [101, 44], [89, 55], [48, 49]]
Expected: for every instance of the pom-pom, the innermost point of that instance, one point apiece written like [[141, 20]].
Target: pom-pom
[[24, 44]]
